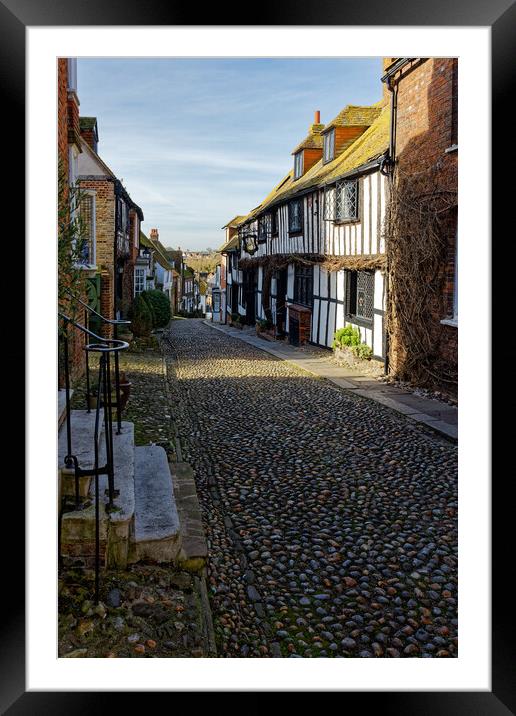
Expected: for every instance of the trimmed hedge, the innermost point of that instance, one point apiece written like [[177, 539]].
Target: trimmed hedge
[[141, 317], [160, 307]]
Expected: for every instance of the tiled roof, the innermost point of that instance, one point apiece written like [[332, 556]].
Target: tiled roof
[[369, 145], [234, 222], [87, 122], [313, 140], [231, 244], [160, 253], [355, 116]]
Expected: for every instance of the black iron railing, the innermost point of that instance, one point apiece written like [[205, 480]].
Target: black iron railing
[[105, 348]]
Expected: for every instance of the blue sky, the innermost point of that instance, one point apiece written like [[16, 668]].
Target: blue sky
[[197, 141]]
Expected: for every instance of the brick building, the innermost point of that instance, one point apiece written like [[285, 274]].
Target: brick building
[[68, 151], [114, 223], [423, 326]]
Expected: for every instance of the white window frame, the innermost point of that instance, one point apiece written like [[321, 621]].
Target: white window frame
[[329, 146], [139, 270], [298, 165]]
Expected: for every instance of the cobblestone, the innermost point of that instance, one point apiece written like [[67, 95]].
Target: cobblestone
[[341, 506]]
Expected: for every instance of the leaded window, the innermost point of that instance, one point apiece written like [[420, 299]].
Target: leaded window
[[295, 216], [360, 295], [341, 201], [329, 145], [304, 285], [298, 165]]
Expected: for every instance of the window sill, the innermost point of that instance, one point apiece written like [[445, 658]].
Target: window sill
[[363, 322], [454, 322], [86, 267], [293, 234], [346, 221]]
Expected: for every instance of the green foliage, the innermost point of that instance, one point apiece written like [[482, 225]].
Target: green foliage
[[71, 244], [235, 318], [160, 307], [264, 324], [347, 336], [362, 351], [350, 337], [141, 317]]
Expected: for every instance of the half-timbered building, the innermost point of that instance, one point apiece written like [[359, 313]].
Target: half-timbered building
[[312, 254]]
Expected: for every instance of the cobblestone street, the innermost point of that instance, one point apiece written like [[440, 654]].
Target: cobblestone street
[[331, 520]]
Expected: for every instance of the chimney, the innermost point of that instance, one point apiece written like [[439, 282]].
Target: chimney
[[316, 127], [386, 95], [89, 131], [154, 235]]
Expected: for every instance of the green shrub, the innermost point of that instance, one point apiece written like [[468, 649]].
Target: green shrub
[[347, 336], [235, 317], [141, 317], [160, 307], [362, 351], [264, 324]]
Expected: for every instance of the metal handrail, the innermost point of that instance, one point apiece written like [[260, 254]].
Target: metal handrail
[[111, 321], [105, 347]]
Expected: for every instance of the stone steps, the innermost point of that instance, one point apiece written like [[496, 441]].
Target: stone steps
[[144, 526], [156, 526], [83, 430]]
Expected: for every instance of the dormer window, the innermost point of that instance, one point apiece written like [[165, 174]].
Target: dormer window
[[298, 165], [329, 146]]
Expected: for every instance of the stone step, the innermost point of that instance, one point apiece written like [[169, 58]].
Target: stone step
[[157, 534], [83, 430], [61, 406], [78, 527], [194, 549]]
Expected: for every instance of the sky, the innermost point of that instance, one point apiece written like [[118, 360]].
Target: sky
[[198, 141]]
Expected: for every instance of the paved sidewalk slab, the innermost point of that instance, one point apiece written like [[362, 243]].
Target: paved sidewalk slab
[[440, 417]]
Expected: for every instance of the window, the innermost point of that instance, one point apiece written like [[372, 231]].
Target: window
[[298, 165], [341, 201], [87, 217], [360, 295], [139, 280], [262, 229], [295, 216], [303, 285], [346, 200], [274, 223], [329, 145]]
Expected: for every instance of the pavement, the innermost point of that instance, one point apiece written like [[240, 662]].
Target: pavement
[[436, 415]]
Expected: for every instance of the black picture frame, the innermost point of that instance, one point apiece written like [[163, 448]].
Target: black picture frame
[[15, 16]]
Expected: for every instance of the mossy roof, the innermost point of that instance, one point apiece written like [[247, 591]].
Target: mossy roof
[[234, 222], [231, 244], [369, 145], [160, 254], [312, 141], [355, 116], [87, 122]]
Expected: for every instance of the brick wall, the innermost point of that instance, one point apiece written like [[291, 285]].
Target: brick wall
[[426, 127], [62, 114]]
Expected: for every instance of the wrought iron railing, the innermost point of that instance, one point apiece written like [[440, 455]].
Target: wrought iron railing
[[105, 347]]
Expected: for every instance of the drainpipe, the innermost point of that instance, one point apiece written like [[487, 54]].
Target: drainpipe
[[115, 251], [388, 169]]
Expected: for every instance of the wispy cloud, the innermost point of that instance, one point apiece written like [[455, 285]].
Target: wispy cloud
[[198, 141]]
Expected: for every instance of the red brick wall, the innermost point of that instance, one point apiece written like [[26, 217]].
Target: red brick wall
[[62, 114], [426, 127]]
